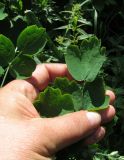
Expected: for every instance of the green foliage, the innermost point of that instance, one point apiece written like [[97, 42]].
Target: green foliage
[[52, 102], [31, 40], [72, 88], [98, 86], [109, 156], [3, 15], [21, 61], [65, 85], [22, 66], [66, 96], [94, 97], [1, 71], [84, 63], [7, 51]]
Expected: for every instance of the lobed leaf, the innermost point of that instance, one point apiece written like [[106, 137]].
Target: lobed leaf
[[66, 96], [72, 88], [65, 85], [84, 63], [52, 102]]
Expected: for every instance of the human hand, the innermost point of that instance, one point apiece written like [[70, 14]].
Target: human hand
[[25, 135]]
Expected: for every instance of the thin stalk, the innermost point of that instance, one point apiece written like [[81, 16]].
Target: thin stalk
[[87, 1], [5, 75], [7, 70], [95, 21]]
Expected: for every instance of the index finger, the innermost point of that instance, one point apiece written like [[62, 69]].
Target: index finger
[[46, 73], [43, 74]]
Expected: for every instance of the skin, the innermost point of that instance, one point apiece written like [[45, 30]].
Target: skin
[[25, 135]]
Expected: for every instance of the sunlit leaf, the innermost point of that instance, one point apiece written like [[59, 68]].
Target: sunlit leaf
[[31, 40], [84, 63]]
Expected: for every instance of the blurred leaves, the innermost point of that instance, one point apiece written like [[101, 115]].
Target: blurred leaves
[[3, 15]]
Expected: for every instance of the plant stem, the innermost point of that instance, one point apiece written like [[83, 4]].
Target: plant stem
[[7, 69], [83, 3], [5, 75], [95, 21]]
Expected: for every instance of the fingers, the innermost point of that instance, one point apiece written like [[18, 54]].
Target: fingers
[[15, 105], [96, 136], [108, 114], [43, 74], [23, 87], [41, 77], [65, 130], [46, 73], [111, 95]]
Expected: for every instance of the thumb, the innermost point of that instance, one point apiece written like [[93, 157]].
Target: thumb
[[65, 130]]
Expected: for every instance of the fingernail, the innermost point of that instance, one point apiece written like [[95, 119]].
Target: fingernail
[[94, 118]]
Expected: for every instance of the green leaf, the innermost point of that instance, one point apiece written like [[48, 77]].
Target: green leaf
[[31, 40], [65, 85], [66, 103], [20, 4], [51, 103], [86, 62], [72, 88], [1, 71], [94, 98], [77, 98], [87, 104], [31, 19], [7, 51], [96, 91], [2, 14], [23, 66]]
